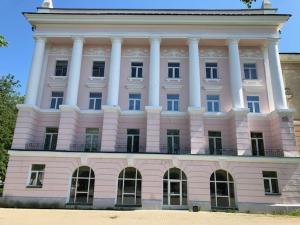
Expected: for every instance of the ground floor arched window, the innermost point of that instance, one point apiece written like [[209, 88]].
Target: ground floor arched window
[[82, 186], [174, 187], [222, 190], [129, 187]]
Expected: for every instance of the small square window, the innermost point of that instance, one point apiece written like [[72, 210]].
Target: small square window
[[61, 68], [134, 101], [56, 99], [98, 68], [213, 103], [173, 70], [253, 104], [95, 101], [137, 70], [211, 70], [250, 71], [173, 102], [271, 183], [37, 175]]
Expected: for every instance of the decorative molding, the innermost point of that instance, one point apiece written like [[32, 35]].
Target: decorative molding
[[174, 53], [60, 85], [135, 79], [134, 86], [254, 86], [251, 53], [61, 51], [96, 85], [172, 87], [213, 53], [213, 88], [59, 78], [170, 80], [136, 52], [99, 52]]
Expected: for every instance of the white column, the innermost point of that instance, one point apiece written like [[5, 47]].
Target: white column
[[154, 77], [235, 75], [276, 76], [74, 75], [35, 71], [194, 73], [114, 72], [268, 78]]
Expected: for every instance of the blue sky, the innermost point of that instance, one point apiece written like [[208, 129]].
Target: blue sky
[[16, 58]]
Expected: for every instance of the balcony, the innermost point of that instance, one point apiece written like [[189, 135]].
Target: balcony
[[164, 149]]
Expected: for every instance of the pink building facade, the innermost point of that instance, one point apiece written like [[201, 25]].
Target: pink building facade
[[159, 109]]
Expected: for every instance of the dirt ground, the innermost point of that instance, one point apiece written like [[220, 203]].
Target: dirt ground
[[140, 217]]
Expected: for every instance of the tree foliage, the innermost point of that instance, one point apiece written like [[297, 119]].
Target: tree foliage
[[3, 43], [9, 98], [248, 2]]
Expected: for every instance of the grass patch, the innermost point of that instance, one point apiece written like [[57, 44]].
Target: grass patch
[[290, 213]]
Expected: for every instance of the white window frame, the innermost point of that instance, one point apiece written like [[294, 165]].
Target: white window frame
[[51, 134], [174, 68], [173, 136], [211, 68], [172, 101], [94, 99], [56, 107], [250, 71], [94, 137], [253, 103], [256, 139], [269, 179], [213, 103], [37, 173], [132, 138], [135, 102], [214, 138], [137, 69]]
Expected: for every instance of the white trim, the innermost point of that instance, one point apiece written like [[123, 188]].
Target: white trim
[[58, 154]]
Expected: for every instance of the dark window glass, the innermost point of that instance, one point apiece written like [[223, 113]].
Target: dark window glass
[[61, 68], [98, 68], [136, 69]]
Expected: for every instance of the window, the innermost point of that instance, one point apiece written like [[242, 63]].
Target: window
[[250, 71], [91, 139], [211, 70], [215, 142], [270, 182], [37, 175], [56, 99], [175, 187], [51, 138], [136, 69], [213, 103], [257, 143], [253, 104], [173, 102], [98, 68], [129, 187], [95, 100], [133, 140], [173, 70], [134, 102], [82, 186], [222, 190], [173, 141], [61, 68]]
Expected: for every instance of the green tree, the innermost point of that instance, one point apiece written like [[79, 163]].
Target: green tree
[[248, 2], [9, 98], [3, 43]]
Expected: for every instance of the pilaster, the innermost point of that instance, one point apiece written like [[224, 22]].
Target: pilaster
[[69, 116], [197, 130], [153, 129], [110, 128], [240, 131], [283, 133], [26, 124]]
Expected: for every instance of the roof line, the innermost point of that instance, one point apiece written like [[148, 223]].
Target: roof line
[[289, 53], [160, 9]]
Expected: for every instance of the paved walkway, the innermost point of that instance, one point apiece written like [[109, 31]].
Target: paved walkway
[[95, 217]]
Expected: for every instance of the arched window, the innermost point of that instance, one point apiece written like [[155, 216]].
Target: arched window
[[175, 187], [82, 186], [129, 187], [222, 190]]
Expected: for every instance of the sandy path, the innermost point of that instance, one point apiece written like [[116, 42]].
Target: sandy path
[[85, 217]]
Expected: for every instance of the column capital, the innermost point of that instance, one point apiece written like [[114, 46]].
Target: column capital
[[116, 39], [193, 40], [154, 38], [233, 41], [78, 38], [273, 41], [40, 38]]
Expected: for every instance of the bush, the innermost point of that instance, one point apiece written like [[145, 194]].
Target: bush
[[290, 213], [30, 205]]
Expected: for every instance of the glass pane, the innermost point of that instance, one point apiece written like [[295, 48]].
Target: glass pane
[[129, 186], [133, 72], [33, 178], [84, 171], [184, 193], [209, 106], [121, 174], [212, 177], [221, 175], [174, 173], [81, 198], [269, 174], [170, 108], [175, 187], [208, 73], [216, 107], [275, 188], [175, 200], [176, 105], [138, 105], [254, 147], [165, 192], [211, 146], [82, 185], [130, 172], [212, 194], [47, 141], [98, 104], [267, 186], [136, 143], [140, 72], [222, 189], [129, 143], [170, 72], [40, 179], [54, 141], [218, 143], [38, 167], [261, 147], [128, 199], [119, 197], [257, 109], [222, 202]]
